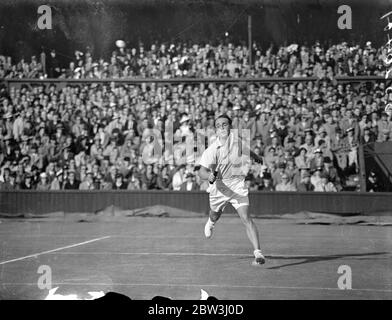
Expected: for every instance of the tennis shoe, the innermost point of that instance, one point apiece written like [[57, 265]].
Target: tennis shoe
[[259, 258], [208, 228]]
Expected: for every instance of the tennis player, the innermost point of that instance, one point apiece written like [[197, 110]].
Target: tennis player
[[222, 165]]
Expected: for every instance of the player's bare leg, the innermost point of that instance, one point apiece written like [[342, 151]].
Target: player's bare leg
[[209, 227], [251, 231]]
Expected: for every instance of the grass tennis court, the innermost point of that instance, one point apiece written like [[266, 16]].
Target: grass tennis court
[[142, 257]]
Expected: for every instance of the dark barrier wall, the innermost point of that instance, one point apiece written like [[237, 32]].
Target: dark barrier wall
[[346, 203]]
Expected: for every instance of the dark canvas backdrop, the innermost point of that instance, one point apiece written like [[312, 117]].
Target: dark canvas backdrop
[[378, 158], [81, 23]]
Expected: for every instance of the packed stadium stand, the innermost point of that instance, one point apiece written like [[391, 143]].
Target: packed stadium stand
[[100, 135]]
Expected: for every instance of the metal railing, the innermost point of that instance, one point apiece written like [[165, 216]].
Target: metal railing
[[137, 80]]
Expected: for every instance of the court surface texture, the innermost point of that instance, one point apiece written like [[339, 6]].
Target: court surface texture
[[143, 257]]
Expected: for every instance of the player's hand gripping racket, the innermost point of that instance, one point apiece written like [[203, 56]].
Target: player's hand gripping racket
[[214, 172], [214, 168]]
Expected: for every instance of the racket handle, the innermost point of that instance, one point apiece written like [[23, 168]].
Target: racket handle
[[215, 174]]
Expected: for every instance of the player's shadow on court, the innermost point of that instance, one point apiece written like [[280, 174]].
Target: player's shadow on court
[[311, 259]]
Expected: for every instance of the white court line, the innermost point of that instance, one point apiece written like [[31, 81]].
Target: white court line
[[299, 256], [200, 286], [41, 235], [296, 237], [57, 249], [176, 254]]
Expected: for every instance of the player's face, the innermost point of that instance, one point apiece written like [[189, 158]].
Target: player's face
[[222, 126]]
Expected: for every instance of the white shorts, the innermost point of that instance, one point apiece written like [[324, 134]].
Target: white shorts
[[227, 191]]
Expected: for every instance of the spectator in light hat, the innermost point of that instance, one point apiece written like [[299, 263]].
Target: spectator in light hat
[[43, 183], [184, 126], [58, 181]]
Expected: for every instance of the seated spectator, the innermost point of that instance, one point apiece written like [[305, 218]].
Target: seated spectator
[[368, 136], [353, 144], [178, 178], [289, 138], [11, 183], [292, 150], [384, 127], [372, 184], [163, 179], [384, 135], [309, 143], [285, 184], [111, 173], [305, 185], [303, 125], [278, 173], [324, 185], [110, 148], [267, 183], [340, 149], [290, 169], [316, 176], [119, 184], [5, 172], [134, 183], [97, 180], [275, 143], [71, 183], [88, 182], [317, 160], [125, 167], [190, 183], [27, 183], [34, 175], [43, 183], [302, 160], [332, 173], [57, 182], [149, 178], [326, 151], [81, 173], [322, 136], [271, 158]]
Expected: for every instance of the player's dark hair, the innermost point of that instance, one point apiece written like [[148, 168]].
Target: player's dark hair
[[224, 116]]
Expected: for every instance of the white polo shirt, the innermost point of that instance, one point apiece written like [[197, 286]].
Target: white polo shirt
[[228, 158], [229, 186]]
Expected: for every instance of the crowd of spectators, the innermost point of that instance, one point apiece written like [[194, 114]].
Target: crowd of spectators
[[98, 135], [166, 61]]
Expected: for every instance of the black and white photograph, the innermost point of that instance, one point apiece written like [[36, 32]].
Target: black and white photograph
[[195, 150]]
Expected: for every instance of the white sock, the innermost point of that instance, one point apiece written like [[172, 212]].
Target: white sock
[[256, 252]]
